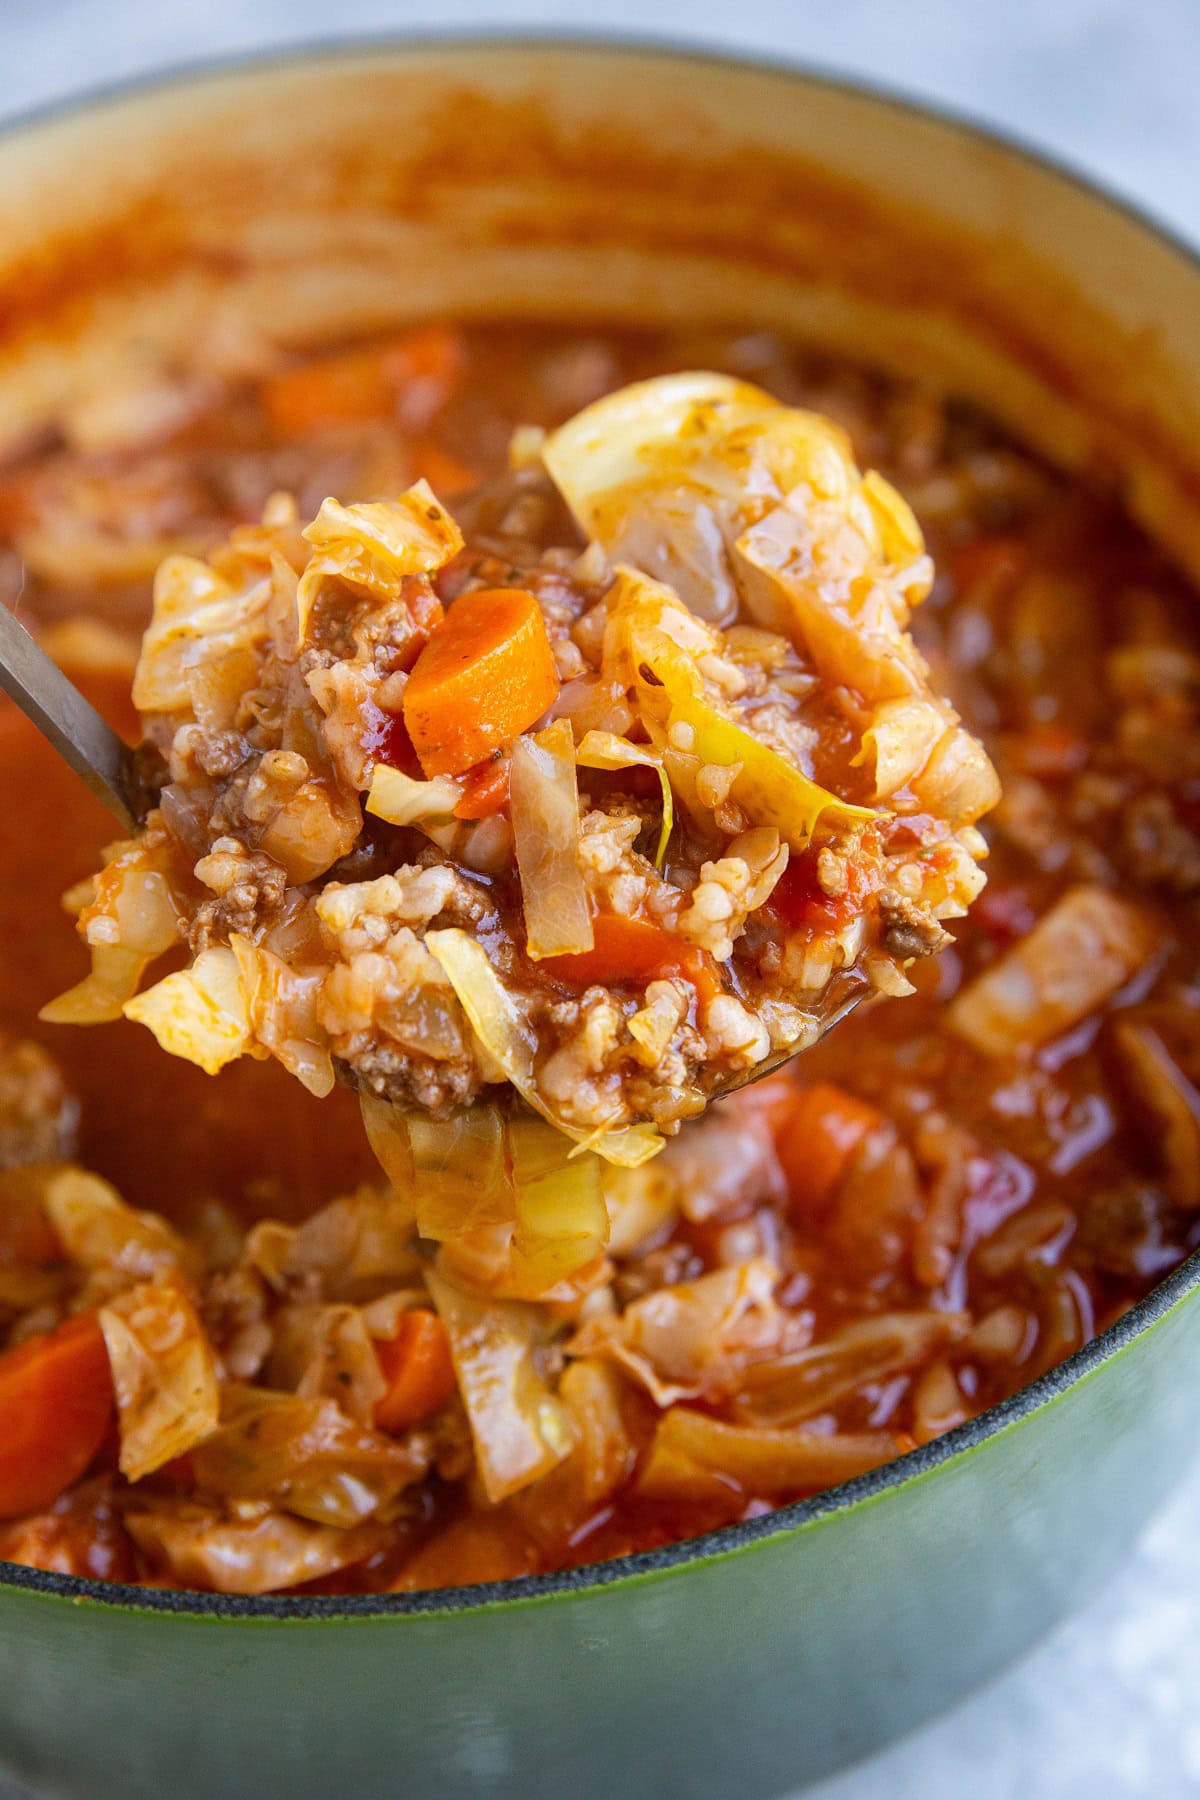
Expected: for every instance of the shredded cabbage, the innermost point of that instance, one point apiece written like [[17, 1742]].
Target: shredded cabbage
[[694, 1457], [693, 1339], [520, 1429], [801, 1384], [202, 1547], [507, 1038], [304, 1455], [324, 1352], [1171, 1100], [479, 1172], [376, 544], [198, 619], [769, 789], [200, 1013], [349, 1248], [282, 1004], [164, 1375], [403, 800], [667, 473], [604, 750], [103, 1235], [130, 918], [1077, 955], [545, 821], [562, 1221], [454, 1170]]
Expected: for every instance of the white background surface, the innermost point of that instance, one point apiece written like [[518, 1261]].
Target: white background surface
[[1107, 1709]]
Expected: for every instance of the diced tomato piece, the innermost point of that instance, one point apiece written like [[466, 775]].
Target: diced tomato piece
[[486, 790], [635, 951]]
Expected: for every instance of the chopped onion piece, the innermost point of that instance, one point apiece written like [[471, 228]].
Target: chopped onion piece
[[507, 1038], [519, 1428], [544, 798]]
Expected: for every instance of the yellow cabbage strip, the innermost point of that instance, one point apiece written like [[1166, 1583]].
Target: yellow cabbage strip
[[562, 1219], [506, 1037], [201, 1013], [544, 798], [520, 1429], [376, 544], [604, 750], [767, 787], [403, 800]]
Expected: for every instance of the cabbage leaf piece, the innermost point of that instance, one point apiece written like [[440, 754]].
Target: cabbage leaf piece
[[481, 1171], [667, 474], [201, 1013], [520, 1429], [164, 1375], [604, 750], [375, 545], [644, 636], [544, 804]]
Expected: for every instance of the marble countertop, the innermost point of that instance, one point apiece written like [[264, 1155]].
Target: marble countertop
[[1106, 1709]]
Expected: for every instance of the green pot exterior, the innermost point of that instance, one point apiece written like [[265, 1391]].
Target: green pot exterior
[[746, 1671]]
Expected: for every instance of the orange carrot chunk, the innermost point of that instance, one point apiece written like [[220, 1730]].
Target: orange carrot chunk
[[348, 386], [635, 951], [485, 676], [56, 1403], [417, 1368], [817, 1137]]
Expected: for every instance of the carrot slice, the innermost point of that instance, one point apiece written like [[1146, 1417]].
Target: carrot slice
[[817, 1137], [349, 386], [417, 1368], [485, 676], [635, 951], [56, 1402], [444, 472]]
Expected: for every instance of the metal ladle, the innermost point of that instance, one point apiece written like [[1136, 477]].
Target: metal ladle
[[71, 723]]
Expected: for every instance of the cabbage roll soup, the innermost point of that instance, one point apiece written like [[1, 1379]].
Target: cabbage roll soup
[[545, 732]]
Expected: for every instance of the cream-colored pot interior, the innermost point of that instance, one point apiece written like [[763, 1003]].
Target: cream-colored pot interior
[[348, 191]]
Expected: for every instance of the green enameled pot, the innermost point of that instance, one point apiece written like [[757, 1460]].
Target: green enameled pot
[[350, 189]]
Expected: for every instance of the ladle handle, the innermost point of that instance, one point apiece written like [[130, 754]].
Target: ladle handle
[[74, 727]]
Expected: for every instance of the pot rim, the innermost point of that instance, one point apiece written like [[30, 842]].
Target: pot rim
[[916, 1465]]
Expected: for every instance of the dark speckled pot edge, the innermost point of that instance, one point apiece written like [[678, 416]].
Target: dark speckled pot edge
[[919, 1465]]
